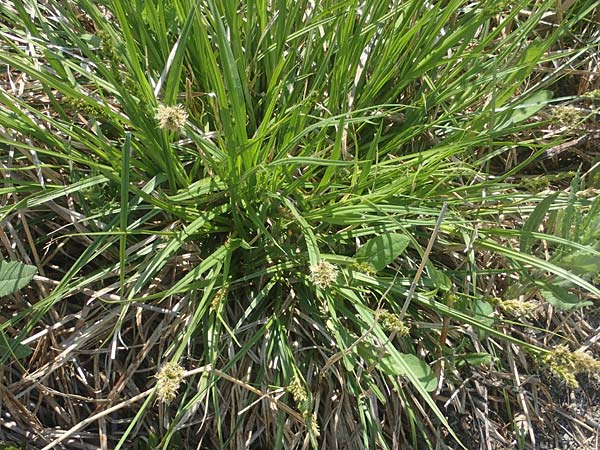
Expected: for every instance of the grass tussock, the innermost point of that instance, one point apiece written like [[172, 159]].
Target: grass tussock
[[291, 225]]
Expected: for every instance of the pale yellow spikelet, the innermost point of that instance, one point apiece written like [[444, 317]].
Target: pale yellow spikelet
[[391, 322], [567, 116], [565, 364], [298, 391], [517, 307], [312, 424], [170, 377], [366, 268], [172, 118], [594, 95], [323, 274]]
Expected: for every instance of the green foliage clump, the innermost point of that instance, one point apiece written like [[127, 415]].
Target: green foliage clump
[[12, 446], [260, 188]]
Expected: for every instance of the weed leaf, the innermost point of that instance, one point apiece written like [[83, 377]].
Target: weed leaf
[[530, 106], [14, 275], [484, 312], [393, 363], [13, 348], [382, 250], [581, 263], [440, 279], [404, 364], [473, 359], [560, 297]]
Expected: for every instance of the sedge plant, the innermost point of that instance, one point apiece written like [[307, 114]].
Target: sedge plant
[[227, 204]]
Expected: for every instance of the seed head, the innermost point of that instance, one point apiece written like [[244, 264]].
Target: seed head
[[169, 379], [391, 322], [366, 268], [172, 118], [219, 296], [517, 307], [323, 274], [298, 391], [565, 364], [567, 116], [312, 424], [594, 95]]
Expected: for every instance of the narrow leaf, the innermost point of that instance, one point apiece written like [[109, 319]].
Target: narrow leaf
[[533, 222], [538, 263]]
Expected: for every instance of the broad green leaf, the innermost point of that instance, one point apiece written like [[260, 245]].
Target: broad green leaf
[[529, 107], [403, 364], [382, 250], [484, 312], [560, 297], [393, 363], [581, 263], [14, 275], [440, 279], [13, 348], [473, 359]]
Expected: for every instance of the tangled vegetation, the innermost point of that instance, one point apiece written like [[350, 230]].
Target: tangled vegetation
[[329, 224]]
